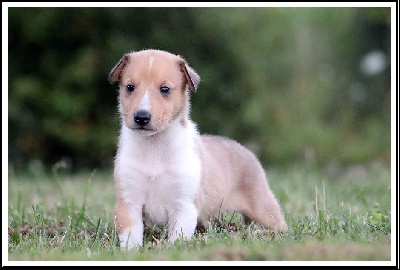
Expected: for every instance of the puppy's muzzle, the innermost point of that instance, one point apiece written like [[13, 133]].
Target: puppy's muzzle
[[142, 118]]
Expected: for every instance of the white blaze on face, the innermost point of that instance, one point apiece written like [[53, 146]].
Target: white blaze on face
[[150, 64], [145, 102]]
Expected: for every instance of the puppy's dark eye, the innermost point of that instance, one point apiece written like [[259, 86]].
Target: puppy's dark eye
[[165, 90], [130, 88]]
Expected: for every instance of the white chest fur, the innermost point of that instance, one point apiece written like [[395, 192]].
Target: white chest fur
[[162, 172]]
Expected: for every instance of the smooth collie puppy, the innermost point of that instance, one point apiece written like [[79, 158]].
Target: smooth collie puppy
[[164, 169]]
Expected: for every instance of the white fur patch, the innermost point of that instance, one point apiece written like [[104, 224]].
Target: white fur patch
[[151, 64], [131, 237], [145, 102], [162, 173], [183, 222]]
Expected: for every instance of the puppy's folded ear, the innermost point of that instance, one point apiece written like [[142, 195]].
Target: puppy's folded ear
[[115, 74], [192, 78]]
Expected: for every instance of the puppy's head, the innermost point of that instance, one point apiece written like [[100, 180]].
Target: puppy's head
[[153, 88]]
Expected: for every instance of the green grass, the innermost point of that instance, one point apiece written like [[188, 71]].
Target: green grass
[[333, 215]]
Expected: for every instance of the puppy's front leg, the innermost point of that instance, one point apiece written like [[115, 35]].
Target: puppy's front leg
[[182, 221], [129, 225]]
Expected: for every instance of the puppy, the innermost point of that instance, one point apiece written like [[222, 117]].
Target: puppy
[[164, 169]]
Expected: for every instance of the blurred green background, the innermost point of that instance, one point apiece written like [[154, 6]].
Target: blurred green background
[[295, 85]]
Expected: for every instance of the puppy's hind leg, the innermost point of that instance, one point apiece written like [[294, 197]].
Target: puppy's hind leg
[[270, 216], [267, 212], [263, 207]]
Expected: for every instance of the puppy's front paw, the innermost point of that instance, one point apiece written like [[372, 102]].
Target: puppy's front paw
[[130, 238], [182, 223]]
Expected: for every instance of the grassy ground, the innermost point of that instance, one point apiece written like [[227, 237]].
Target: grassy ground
[[333, 215]]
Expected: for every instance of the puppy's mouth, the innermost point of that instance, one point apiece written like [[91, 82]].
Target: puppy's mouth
[[147, 131], [144, 129]]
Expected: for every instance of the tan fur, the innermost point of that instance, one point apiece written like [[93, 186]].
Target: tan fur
[[242, 187], [230, 177]]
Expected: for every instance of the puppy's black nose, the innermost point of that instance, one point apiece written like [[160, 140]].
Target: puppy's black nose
[[142, 117]]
